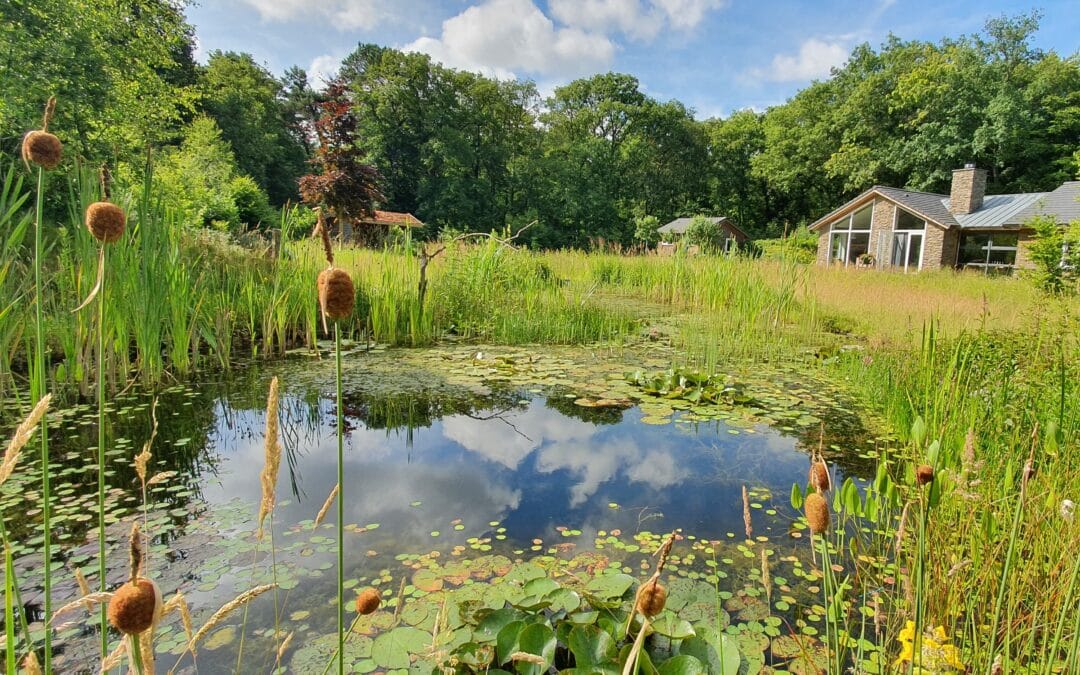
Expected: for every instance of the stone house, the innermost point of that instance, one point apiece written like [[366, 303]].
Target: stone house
[[886, 227]]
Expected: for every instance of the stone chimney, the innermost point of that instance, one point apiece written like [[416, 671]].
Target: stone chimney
[[968, 189]]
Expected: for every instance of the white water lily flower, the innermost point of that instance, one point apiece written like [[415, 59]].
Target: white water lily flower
[[1068, 508]]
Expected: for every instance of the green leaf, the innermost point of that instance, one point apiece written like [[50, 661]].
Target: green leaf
[[537, 639], [490, 625], [670, 626], [591, 646], [683, 664], [506, 643], [609, 586], [796, 496], [392, 648]]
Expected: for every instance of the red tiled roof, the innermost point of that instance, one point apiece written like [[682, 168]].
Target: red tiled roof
[[394, 218]]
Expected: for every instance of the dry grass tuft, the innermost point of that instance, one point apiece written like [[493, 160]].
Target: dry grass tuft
[[219, 616], [272, 448], [22, 436], [747, 522], [326, 505]]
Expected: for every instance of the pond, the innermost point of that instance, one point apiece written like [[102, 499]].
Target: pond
[[460, 466]]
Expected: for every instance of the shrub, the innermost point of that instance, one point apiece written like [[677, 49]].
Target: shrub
[[1055, 252]]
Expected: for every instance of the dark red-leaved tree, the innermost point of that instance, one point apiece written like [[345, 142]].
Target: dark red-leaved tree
[[345, 184]]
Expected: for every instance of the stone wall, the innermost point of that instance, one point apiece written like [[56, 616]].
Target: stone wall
[[823, 246], [1023, 252], [881, 229], [934, 247]]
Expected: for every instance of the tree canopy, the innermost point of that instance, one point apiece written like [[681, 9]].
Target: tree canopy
[[466, 152]]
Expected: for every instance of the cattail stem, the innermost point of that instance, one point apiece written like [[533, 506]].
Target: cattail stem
[[9, 614], [101, 448], [38, 394], [136, 653], [340, 505], [15, 593], [832, 631]]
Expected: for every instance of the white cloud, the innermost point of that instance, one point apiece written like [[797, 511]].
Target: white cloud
[[322, 69], [686, 14], [343, 14], [638, 19], [814, 60], [501, 37]]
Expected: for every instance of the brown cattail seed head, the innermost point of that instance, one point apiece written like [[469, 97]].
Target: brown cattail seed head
[[367, 601], [819, 476], [924, 474], [336, 293], [817, 513], [133, 606], [105, 221], [651, 598], [42, 148]]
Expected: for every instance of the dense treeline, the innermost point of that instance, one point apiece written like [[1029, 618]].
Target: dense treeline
[[593, 161]]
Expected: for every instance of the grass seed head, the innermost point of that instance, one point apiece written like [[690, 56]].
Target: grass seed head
[[367, 601], [924, 474], [134, 606], [336, 293], [817, 513], [105, 221], [651, 598]]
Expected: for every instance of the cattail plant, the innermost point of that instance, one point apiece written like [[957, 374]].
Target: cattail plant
[[44, 150], [105, 221], [819, 519], [336, 299], [649, 601]]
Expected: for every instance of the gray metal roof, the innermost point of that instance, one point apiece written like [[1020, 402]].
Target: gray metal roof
[[998, 211], [1062, 203], [681, 225]]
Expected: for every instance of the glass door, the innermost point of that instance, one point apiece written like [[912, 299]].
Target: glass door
[[907, 250]]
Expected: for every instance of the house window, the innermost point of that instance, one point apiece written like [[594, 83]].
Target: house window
[[987, 251], [850, 236], [907, 245]]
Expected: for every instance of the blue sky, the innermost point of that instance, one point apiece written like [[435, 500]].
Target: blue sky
[[716, 56]]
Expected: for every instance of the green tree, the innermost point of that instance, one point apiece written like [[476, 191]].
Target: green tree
[[249, 106], [201, 180], [120, 72], [705, 233], [646, 230]]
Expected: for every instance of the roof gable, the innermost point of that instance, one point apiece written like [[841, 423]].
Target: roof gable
[[393, 218], [681, 225]]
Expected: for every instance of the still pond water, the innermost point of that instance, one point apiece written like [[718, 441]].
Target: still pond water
[[433, 470]]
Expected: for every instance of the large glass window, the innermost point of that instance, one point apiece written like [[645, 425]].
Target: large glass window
[[907, 241], [987, 251], [850, 236]]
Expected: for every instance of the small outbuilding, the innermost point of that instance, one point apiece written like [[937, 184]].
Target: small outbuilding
[[674, 231]]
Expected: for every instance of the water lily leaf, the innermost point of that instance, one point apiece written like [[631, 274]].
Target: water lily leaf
[[672, 627], [538, 640], [506, 642], [609, 586], [392, 648], [427, 581], [717, 651], [591, 646], [683, 664], [495, 621]]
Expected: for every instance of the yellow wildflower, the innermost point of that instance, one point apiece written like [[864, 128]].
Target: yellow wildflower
[[936, 654]]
